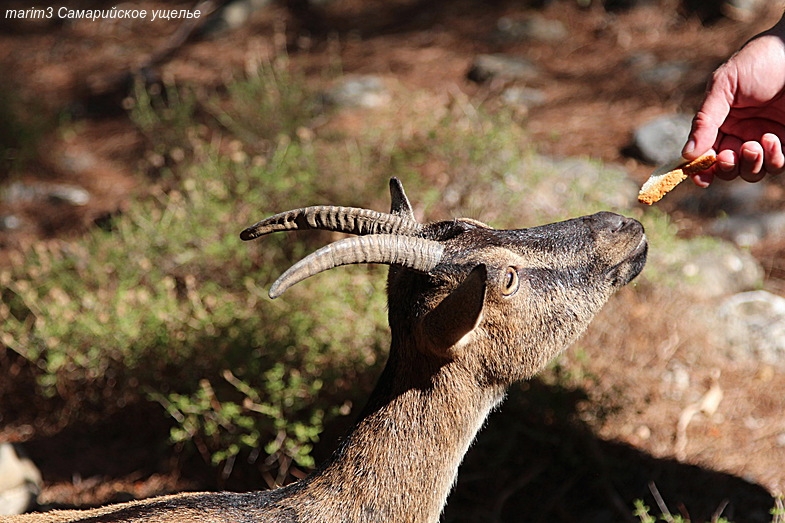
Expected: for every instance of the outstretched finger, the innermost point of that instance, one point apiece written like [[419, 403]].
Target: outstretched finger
[[711, 115]]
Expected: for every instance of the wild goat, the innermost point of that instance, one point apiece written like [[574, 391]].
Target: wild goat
[[471, 309]]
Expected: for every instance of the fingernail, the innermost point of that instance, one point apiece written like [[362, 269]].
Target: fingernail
[[750, 156], [725, 166], [688, 147]]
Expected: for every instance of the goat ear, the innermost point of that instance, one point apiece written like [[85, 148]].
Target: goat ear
[[457, 314], [400, 205]]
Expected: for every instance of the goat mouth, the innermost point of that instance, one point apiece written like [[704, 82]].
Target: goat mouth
[[631, 266], [637, 258], [641, 248]]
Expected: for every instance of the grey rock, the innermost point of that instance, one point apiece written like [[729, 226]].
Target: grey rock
[[723, 271], [706, 269], [69, 194], [578, 185], [754, 326], [507, 67], [748, 229], [76, 162], [20, 481], [232, 15], [359, 91], [724, 198], [523, 96], [665, 74], [660, 140], [538, 188], [536, 28], [641, 60], [20, 192], [10, 222], [24, 192]]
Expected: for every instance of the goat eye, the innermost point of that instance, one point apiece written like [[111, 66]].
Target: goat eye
[[510, 282]]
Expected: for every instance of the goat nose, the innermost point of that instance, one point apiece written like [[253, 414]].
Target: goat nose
[[607, 221]]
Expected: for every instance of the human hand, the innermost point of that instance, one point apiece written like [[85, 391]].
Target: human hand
[[743, 114]]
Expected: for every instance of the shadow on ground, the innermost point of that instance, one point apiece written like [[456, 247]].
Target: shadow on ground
[[536, 462]]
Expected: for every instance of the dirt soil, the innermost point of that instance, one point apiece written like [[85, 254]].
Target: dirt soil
[[593, 102]]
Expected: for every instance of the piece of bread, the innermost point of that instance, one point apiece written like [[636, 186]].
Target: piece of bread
[[658, 185]]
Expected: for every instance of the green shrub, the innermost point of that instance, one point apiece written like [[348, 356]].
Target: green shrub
[[169, 300], [272, 100], [165, 303]]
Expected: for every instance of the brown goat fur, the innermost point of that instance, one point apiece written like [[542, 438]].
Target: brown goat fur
[[472, 310]]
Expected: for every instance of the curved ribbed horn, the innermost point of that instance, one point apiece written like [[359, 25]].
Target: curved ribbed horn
[[351, 220], [406, 251]]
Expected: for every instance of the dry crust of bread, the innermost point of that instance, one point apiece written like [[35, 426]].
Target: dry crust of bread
[[658, 185]]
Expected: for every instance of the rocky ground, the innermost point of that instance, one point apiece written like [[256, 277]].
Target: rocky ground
[[612, 85]]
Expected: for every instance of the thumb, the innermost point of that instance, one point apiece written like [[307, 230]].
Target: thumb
[[712, 113]]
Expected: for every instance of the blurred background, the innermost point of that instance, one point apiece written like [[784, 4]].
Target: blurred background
[[140, 354]]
